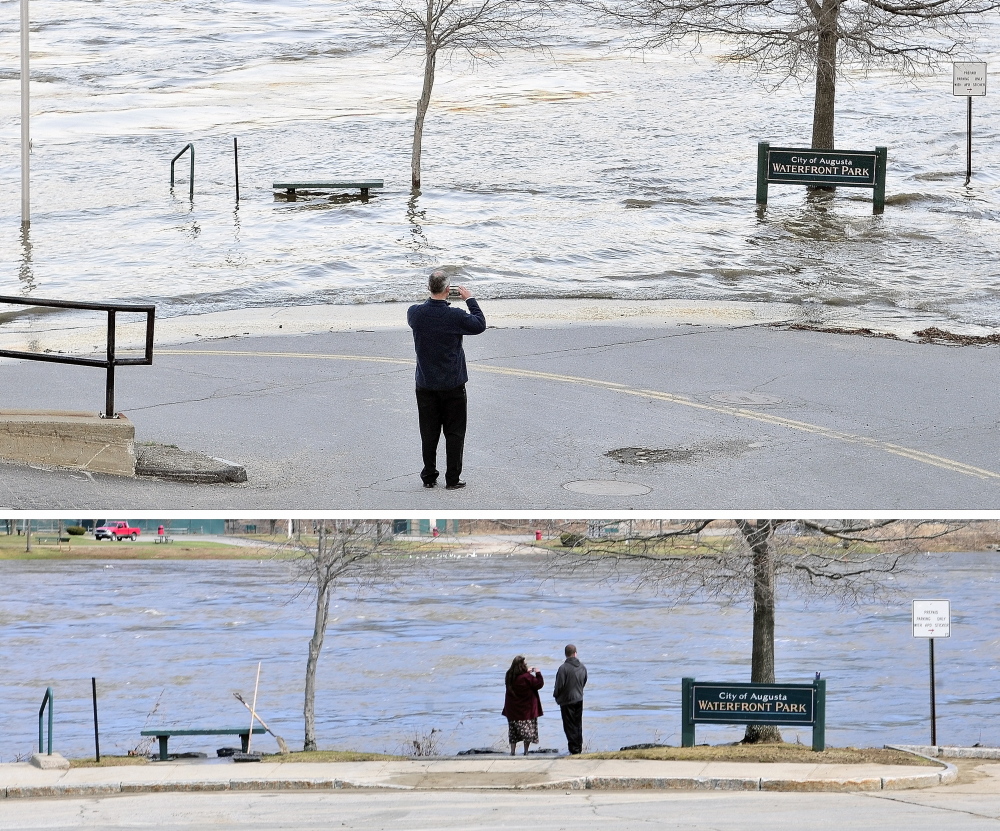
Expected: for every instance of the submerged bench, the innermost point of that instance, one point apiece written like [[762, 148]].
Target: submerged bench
[[328, 184], [164, 734]]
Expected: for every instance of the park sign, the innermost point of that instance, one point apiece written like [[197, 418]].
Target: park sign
[[802, 705], [822, 168]]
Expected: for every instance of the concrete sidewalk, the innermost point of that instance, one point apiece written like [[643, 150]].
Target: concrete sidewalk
[[652, 414], [22, 780]]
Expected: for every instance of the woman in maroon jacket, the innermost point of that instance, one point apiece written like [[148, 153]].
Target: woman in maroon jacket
[[521, 704]]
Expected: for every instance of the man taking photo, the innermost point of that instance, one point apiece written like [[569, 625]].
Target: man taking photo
[[438, 328]]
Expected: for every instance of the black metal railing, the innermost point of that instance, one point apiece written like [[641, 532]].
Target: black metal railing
[[187, 147], [46, 701], [110, 361]]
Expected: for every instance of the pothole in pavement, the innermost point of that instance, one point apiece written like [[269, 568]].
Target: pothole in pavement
[[746, 399], [730, 448]]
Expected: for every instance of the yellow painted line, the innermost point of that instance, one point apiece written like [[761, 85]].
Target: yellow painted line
[[941, 462]]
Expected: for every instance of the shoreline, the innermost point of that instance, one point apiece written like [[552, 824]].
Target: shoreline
[[49, 332]]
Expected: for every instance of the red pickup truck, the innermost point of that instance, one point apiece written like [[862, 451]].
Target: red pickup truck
[[117, 530]]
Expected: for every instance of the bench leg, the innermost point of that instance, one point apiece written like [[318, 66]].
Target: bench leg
[[245, 741], [364, 193], [164, 756]]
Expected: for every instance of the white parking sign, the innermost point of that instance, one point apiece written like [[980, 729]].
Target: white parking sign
[[932, 618], [968, 78]]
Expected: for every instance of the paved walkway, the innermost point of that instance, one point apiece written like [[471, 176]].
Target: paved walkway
[[654, 415], [25, 780]]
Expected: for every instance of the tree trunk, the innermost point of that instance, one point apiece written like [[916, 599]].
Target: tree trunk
[[758, 537], [826, 75], [430, 60], [315, 647]]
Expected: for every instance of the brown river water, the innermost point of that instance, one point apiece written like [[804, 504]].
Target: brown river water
[[169, 642]]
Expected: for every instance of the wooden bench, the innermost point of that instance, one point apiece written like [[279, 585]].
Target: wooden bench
[[328, 184], [163, 734]]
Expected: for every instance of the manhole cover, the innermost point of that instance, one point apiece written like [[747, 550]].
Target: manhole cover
[[597, 487], [745, 398]]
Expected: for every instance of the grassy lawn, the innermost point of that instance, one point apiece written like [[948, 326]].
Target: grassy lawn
[[334, 756], [798, 753], [87, 548], [109, 762]]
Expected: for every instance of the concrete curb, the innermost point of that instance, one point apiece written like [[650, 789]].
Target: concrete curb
[[949, 775], [930, 751], [73, 440], [594, 783]]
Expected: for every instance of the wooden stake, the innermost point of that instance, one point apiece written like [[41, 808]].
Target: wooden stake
[[253, 709]]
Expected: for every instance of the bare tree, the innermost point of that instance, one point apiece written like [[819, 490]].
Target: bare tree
[[813, 38], [344, 551], [480, 29], [747, 560]]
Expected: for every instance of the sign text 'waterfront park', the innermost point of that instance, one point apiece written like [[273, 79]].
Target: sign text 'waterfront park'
[[822, 168]]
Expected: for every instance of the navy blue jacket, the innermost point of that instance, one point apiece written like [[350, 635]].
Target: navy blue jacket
[[437, 338]]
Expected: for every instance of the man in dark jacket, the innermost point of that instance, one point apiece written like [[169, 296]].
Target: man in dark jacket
[[568, 693], [438, 328]]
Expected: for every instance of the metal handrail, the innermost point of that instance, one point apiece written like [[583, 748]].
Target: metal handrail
[[46, 700], [188, 146], [110, 361]]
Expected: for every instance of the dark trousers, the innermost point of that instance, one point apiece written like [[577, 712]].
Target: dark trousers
[[442, 411], [572, 717]]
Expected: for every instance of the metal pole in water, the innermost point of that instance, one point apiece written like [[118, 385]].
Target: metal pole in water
[[25, 114], [97, 739], [968, 155], [236, 161]]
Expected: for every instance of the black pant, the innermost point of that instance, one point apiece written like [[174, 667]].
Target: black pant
[[572, 717], [442, 411]]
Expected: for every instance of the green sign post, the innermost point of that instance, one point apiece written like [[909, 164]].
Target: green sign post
[[803, 705], [822, 168]]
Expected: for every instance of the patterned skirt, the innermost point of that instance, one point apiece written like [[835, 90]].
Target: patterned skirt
[[523, 731]]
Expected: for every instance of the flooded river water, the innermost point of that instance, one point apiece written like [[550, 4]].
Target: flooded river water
[[585, 171], [169, 642]]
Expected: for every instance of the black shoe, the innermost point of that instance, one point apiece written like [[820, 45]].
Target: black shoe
[[430, 484], [454, 487]]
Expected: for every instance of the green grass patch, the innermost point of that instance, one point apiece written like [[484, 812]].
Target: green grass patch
[[12, 547], [333, 756], [763, 753], [109, 762]]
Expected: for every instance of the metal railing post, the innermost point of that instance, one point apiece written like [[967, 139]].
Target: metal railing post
[[188, 146], [110, 360], [47, 699], [109, 388]]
